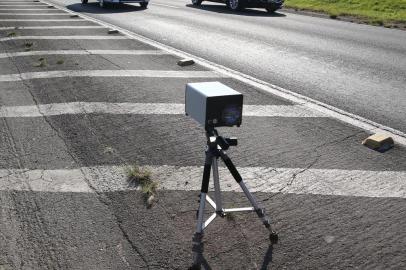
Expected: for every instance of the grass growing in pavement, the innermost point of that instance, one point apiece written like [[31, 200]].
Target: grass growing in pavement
[[28, 45], [143, 178], [60, 61], [11, 34], [381, 12], [42, 62]]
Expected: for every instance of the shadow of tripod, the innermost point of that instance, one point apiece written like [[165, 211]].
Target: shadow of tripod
[[267, 258]]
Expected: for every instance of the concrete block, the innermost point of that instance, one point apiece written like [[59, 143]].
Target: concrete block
[[379, 142], [185, 62]]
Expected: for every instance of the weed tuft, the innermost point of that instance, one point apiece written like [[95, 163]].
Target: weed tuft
[[42, 62], [11, 34], [142, 178], [60, 61], [28, 44]]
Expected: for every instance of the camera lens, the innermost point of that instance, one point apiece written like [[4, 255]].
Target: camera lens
[[231, 115]]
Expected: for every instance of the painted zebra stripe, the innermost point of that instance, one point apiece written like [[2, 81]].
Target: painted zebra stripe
[[8, 5], [84, 52], [42, 20], [54, 109], [376, 184], [52, 27], [35, 14], [18, 9], [64, 37], [110, 73]]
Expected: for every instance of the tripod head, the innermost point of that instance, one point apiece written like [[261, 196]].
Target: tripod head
[[214, 140]]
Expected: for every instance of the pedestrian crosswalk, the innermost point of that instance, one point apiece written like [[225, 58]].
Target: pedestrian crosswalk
[[124, 108], [90, 127]]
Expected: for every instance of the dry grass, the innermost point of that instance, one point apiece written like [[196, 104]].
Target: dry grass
[[141, 177], [42, 62]]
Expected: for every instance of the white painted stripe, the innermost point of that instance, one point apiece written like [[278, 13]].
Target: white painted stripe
[[34, 14], [52, 27], [163, 5], [41, 20], [64, 37], [331, 111], [333, 182], [28, 5], [18, 9], [84, 52], [110, 73], [143, 108]]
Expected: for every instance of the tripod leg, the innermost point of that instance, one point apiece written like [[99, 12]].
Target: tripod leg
[[198, 236], [260, 211], [217, 192]]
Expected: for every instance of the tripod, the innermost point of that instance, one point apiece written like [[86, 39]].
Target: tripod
[[216, 146]]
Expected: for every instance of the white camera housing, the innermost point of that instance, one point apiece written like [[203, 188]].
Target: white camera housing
[[213, 104]]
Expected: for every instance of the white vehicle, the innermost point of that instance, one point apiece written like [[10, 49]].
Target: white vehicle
[[105, 3]]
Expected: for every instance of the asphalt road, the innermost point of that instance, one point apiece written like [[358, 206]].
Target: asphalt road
[[66, 138], [360, 69]]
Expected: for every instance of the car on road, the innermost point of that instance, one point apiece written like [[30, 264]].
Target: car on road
[[270, 5], [105, 3]]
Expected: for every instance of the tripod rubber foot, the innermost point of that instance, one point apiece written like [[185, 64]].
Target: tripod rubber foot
[[195, 267], [273, 237]]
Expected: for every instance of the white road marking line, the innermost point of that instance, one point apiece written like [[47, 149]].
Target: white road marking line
[[8, 5], [18, 9], [63, 37], [110, 73], [84, 52], [329, 182], [42, 20], [163, 5], [143, 108], [331, 111], [35, 14], [52, 27]]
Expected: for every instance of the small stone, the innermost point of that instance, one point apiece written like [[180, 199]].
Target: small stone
[[150, 201], [329, 239], [185, 62]]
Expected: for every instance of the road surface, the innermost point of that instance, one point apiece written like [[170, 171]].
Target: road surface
[[358, 68]]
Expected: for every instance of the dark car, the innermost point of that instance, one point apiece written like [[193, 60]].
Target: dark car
[[269, 5], [105, 3]]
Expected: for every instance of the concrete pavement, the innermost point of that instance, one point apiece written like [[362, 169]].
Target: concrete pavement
[[65, 202]]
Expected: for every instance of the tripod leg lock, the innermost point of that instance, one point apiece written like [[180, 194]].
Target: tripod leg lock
[[260, 212]]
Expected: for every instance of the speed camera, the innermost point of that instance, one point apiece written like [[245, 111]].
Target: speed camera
[[213, 104]]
